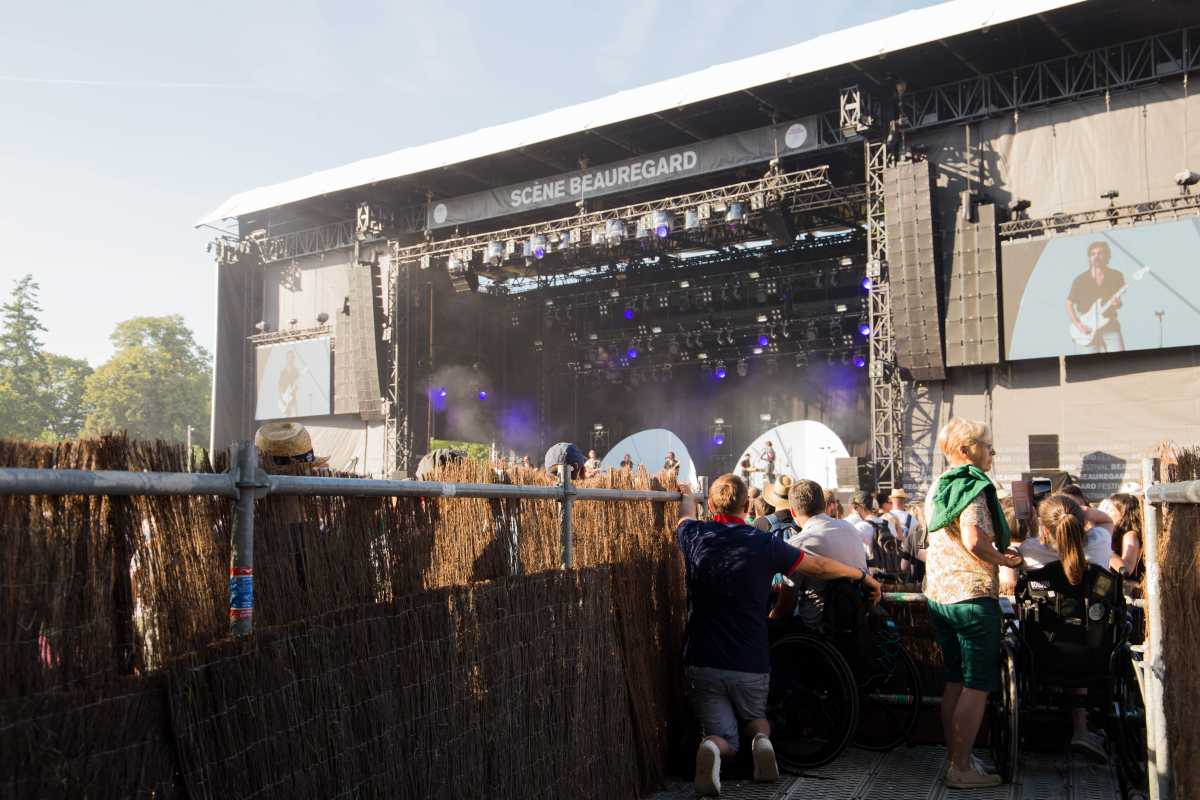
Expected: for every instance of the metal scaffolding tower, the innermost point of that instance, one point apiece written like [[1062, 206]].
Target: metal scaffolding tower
[[397, 416]]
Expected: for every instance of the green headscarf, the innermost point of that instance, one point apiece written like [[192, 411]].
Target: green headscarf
[[956, 489]]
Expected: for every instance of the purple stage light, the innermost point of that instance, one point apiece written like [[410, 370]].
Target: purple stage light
[[867, 284], [719, 439], [859, 361], [629, 313], [441, 392], [763, 340], [632, 353], [663, 231], [482, 395], [720, 372], [864, 329]]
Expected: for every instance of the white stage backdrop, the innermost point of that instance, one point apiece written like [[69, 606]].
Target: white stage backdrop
[[650, 447], [804, 449]]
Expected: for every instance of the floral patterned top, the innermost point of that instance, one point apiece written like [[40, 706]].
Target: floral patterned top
[[952, 573]]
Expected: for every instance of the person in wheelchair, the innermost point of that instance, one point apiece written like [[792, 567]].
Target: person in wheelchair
[[814, 532], [1063, 540], [968, 543]]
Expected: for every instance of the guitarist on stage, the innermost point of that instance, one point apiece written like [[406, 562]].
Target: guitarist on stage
[[289, 387], [1098, 283]]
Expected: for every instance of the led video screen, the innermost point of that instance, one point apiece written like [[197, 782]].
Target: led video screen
[[1106, 291], [293, 379]]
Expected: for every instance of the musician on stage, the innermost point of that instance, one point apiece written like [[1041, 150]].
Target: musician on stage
[[1098, 284], [289, 387]]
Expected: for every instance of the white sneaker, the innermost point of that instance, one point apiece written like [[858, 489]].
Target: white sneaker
[[975, 777], [708, 769], [765, 768], [1090, 745]]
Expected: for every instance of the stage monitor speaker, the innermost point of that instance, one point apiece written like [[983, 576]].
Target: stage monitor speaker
[[914, 259], [973, 308], [855, 474], [366, 338]]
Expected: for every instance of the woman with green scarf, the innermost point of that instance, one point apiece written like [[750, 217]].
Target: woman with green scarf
[[968, 540]]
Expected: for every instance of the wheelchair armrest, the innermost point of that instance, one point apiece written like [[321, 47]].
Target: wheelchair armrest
[[886, 577], [1006, 609]]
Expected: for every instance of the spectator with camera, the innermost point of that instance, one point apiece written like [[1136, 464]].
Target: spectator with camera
[[728, 569], [968, 543]]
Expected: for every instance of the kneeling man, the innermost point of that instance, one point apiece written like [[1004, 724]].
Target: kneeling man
[[729, 567]]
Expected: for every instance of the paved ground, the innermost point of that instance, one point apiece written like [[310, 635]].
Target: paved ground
[[916, 774]]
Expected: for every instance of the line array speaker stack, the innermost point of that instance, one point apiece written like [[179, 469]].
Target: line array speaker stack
[[855, 474], [973, 308], [913, 269], [365, 329]]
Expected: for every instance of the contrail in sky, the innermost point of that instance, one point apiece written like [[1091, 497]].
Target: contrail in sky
[[17, 79]]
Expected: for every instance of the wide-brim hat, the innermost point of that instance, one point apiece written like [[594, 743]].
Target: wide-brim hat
[[898, 493], [287, 443], [777, 493]]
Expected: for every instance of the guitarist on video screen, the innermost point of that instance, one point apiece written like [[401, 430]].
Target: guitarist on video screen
[[288, 388], [1098, 284]]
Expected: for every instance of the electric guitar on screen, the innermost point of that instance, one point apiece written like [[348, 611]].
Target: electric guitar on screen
[[290, 392], [1092, 319]]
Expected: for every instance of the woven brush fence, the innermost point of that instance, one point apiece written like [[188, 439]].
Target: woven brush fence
[[1179, 561], [506, 689]]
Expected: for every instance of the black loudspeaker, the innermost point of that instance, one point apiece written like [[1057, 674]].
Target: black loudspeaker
[[1043, 451], [464, 279], [914, 258], [365, 328], [973, 307], [855, 474], [779, 224]]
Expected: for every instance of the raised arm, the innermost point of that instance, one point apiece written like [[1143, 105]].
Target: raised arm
[[687, 506], [830, 570]]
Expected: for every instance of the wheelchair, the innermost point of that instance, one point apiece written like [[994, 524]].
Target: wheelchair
[[820, 703], [1063, 636]]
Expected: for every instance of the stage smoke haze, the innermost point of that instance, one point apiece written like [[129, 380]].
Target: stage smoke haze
[[464, 418]]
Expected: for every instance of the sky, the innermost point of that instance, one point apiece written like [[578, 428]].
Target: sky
[[122, 123]]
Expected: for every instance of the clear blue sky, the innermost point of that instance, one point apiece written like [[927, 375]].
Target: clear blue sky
[[130, 120]]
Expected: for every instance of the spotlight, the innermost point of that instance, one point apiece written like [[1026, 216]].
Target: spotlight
[[783, 330], [654, 374], [833, 278], [734, 215], [441, 392], [673, 347], [482, 394], [835, 330], [632, 351], [867, 284], [537, 243], [801, 360], [820, 280], [634, 380], [761, 295], [614, 231], [846, 358], [592, 355], [661, 221], [810, 334], [706, 372], [763, 339], [549, 320], [741, 368], [719, 439], [772, 365], [720, 369], [829, 359], [691, 219], [494, 253], [628, 311], [860, 360], [864, 328], [649, 344]]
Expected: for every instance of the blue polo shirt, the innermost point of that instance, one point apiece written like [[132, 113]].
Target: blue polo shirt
[[729, 569]]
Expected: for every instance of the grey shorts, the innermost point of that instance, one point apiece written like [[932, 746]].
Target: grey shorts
[[724, 699]]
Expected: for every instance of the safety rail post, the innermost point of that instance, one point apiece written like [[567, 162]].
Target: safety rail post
[[243, 462], [1157, 757], [566, 556]]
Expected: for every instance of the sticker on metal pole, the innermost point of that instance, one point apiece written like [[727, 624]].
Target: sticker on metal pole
[[241, 592]]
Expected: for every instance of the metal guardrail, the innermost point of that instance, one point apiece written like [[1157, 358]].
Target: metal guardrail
[[245, 482]]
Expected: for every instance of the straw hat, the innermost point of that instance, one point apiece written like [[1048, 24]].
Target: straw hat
[[898, 493], [287, 443], [777, 493]]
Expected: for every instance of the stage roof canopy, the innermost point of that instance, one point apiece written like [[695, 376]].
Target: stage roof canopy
[[873, 40]]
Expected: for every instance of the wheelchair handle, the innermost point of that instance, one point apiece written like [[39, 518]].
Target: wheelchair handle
[[886, 577]]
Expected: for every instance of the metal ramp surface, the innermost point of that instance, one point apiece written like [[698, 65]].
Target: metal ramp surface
[[917, 774]]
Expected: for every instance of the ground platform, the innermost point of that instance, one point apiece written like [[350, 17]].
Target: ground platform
[[917, 774]]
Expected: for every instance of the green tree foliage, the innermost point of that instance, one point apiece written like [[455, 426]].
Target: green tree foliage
[[477, 452], [155, 385], [20, 417], [22, 364], [63, 408]]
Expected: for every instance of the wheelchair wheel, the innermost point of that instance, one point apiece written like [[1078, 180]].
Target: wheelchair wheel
[[1005, 714], [890, 709], [1127, 725], [813, 701]]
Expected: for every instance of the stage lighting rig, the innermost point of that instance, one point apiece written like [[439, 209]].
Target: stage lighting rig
[[720, 371], [493, 254], [614, 231], [761, 294], [820, 282], [772, 366], [741, 368], [860, 360], [673, 347], [801, 359], [661, 221], [705, 371], [835, 330], [634, 380], [538, 245]]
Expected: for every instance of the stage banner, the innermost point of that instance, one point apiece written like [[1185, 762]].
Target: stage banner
[[699, 158], [1118, 289], [293, 379]]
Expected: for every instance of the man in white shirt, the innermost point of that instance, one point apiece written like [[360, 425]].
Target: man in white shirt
[[820, 535], [862, 514], [592, 463]]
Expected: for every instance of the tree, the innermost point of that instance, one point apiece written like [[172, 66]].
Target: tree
[[20, 417], [22, 364], [155, 385], [64, 410]]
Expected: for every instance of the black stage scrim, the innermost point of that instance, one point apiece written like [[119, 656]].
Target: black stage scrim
[[293, 379], [1150, 268]]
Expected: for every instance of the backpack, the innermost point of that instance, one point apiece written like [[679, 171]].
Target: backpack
[[865, 634], [885, 550], [779, 529]]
